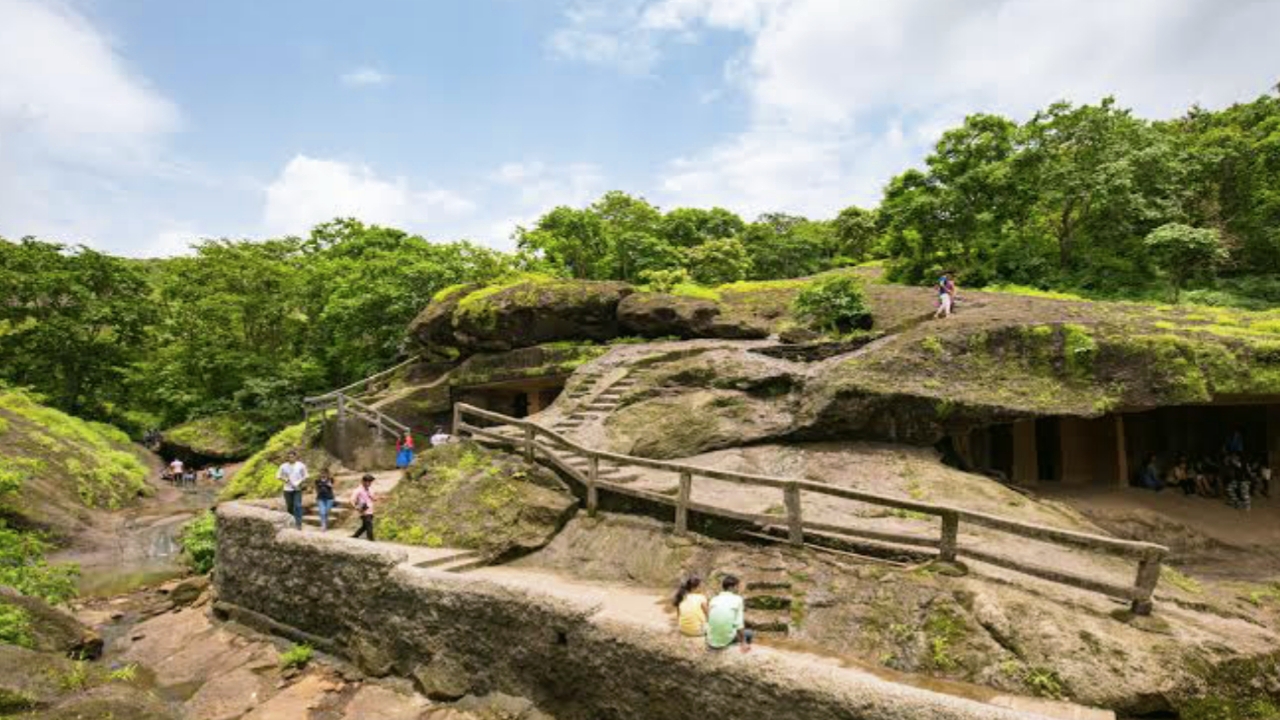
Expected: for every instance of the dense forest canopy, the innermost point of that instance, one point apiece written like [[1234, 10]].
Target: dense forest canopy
[[1086, 198]]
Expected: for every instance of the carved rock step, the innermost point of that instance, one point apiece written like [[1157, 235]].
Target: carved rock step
[[768, 621]]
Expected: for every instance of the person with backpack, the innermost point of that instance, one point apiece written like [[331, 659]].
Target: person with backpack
[[293, 474], [945, 290], [324, 497], [362, 501]]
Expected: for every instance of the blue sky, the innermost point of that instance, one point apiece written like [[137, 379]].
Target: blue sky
[[138, 126]]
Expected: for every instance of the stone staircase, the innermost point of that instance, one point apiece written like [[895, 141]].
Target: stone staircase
[[769, 606], [600, 406]]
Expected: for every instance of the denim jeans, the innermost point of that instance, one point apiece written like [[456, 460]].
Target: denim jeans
[[324, 506], [293, 506]]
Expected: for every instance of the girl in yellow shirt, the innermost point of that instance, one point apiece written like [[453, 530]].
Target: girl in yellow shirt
[[691, 607]]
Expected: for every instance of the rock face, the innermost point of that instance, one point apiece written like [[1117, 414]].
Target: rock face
[[218, 438], [433, 328], [525, 313], [463, 496], [567, 653], [51, 629], [656, 315]]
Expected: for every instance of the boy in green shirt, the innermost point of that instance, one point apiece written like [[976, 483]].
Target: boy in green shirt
[[725, 624]]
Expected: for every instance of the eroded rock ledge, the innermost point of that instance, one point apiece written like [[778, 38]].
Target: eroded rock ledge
[[573, 657]]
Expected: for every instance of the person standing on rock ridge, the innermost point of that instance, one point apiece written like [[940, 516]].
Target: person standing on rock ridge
[[725, 623], [362, 501], [293, 474]]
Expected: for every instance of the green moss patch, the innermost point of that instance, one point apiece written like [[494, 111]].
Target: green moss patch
[[462, 495], [225, 437], [60, 457]]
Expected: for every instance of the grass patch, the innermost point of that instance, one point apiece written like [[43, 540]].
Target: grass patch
[[199, 542], [1043, 682], [15, 626], [1176, 578], [125, 673], [297, 656]]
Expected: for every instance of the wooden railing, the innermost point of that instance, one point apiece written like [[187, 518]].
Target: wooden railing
[[358, 387], [532, 438], [347, 406]]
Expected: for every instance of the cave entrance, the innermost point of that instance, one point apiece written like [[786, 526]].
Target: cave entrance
[[517, 398], [1109, 451]]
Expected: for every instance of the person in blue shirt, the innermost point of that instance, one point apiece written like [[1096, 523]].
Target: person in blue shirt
[[1149, 476]]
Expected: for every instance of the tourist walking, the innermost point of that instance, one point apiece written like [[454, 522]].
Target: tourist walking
[[324, 497], [725, 623], [404, 450], [945, 290], [691, 607], [362, 501], [293, 474], [175, 471]]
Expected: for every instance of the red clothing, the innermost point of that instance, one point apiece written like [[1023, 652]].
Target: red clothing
[[404, 442]]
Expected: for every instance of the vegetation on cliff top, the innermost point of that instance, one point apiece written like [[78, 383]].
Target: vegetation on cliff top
[[257, 477], [226, 435]]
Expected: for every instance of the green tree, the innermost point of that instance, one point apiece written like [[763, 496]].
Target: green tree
[[575, 241], [855, 235], [1181, 250], [71, 320], [718, 261], [690, 227]]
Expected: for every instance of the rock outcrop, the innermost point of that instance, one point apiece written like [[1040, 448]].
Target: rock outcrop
[[462, 495], [655, 315], [528, 312], [213, 439]]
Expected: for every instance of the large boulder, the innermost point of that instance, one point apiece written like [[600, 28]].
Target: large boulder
[[528, 312], [217, 438], [463, 496], [46, 628], [662, 315], [433, 327]]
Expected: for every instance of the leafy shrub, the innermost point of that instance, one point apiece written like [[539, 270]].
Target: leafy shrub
[[297, 656], [15, 626], [664, 281], [199, 542], [834, 303], [23, 567]]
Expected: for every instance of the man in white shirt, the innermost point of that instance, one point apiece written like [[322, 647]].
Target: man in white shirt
[[293, 474], [439, 437], [175, 471]]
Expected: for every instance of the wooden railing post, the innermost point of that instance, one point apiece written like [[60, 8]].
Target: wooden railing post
[[950, 536], [1145, 584], [682, 503], [457, 419], [528, 443], [593, 474], [342, 408], [795, 521]]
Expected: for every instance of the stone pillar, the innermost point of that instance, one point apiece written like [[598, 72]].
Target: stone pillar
[[1026, 464], [1122, 453], [535, 401]]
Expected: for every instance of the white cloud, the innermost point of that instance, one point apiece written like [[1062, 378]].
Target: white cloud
[[364, 77], [313, 190], [846, 93], [523, 191], [64, 87]]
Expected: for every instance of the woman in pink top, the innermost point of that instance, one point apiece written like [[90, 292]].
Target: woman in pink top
[[362, 500]]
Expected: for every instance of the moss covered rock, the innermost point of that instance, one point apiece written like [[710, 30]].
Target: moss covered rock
[[462, 495], [432, 329], [218, 438], [657, 315], [40, 626], [257, 477], [64, 465]]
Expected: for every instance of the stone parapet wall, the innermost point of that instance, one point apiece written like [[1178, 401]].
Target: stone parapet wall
[[577, 658]]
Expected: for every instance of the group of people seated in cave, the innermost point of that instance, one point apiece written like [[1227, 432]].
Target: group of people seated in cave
[[181, 475], [719, 621], [1230, 474]]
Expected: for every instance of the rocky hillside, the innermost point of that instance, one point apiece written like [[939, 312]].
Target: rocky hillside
[[217, 438], [65, 466]]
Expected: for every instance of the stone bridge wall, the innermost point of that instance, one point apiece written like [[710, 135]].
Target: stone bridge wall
[[578, 660]]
